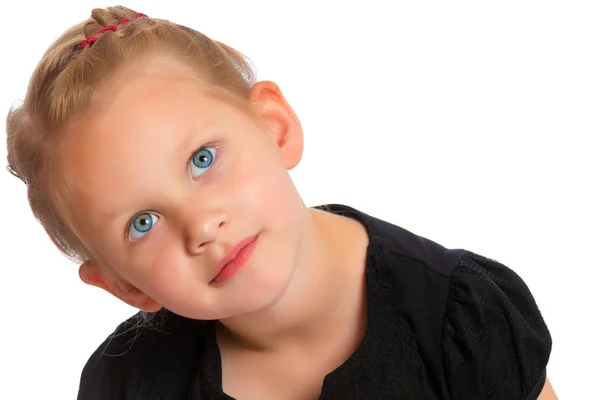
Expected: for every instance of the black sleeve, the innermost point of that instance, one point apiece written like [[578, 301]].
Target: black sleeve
[[117, 369], [495, 344]]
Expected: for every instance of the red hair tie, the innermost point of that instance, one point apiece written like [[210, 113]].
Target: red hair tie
[[110, 28], [88, 41]]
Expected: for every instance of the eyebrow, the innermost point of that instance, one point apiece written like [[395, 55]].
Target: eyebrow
[[112, 215]]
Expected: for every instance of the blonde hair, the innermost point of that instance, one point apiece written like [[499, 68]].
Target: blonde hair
[[71, 74]]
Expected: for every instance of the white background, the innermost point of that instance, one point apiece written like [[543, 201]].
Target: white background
[[473, 124]]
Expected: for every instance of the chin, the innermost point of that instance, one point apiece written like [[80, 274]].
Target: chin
[[255, 295], [234, 301]]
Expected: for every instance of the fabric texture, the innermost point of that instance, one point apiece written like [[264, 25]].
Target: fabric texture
[[495, 342], [441, 324]]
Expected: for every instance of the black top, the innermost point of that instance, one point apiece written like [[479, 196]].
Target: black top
[[441, 324]]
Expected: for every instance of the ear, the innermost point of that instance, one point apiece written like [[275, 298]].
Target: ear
[[281, 121], [91, 274]]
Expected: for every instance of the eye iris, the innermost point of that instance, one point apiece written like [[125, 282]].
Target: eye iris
[[203, 158], [143, 223]]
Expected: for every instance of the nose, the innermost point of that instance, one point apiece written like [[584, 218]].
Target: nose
[[203, 227]]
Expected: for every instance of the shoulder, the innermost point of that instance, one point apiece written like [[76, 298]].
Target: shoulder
[[476, 323], [117, 365], [142, 359], [392, 241], [495, 342]]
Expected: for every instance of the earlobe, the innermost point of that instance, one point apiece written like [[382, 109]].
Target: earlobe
[[281, 121], [91, 274]]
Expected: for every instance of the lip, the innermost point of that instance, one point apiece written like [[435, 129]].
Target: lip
[[235, 259]]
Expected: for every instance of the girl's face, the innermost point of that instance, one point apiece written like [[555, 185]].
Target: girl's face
[[168, 178]]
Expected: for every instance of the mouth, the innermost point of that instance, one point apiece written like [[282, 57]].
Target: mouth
[[235, 259]]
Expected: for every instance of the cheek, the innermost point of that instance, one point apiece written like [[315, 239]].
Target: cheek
[[261, 182], [161, 270]]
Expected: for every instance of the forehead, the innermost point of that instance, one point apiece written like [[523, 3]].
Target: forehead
[[148, 121]]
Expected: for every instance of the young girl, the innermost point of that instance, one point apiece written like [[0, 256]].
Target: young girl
[[152, 155]]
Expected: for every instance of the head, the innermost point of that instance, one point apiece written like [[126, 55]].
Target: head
[[152, 151]]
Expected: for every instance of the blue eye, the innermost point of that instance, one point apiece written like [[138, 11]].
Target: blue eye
[[141, 224], [202, 160]]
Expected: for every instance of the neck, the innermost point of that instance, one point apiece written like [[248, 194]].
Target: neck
[[327, 291]]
